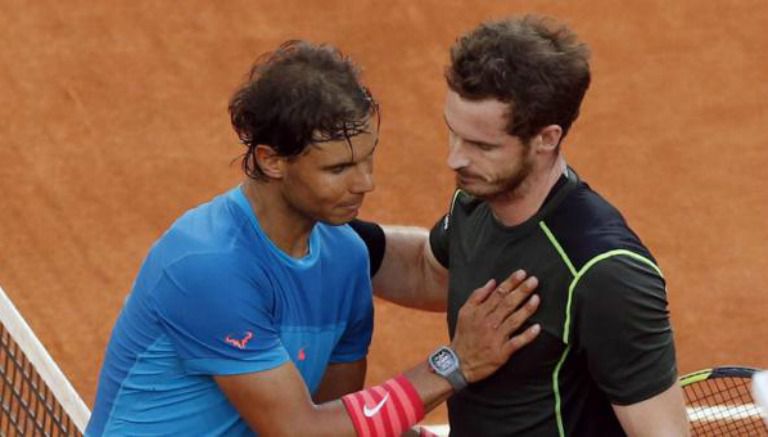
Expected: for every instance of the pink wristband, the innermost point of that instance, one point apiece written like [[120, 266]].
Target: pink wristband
[[385, 410]]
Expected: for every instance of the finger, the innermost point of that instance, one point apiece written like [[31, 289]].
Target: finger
[[487, 308], [517, 318], [520, 294], [481, 294], [518, 341], [499, 311], [511, 282]]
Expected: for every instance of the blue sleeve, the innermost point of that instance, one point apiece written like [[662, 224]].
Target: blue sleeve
[[219, 317]]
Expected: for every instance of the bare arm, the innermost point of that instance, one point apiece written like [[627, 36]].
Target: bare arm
[[276, 402], [660, 416], [341, 379], [409, 274]]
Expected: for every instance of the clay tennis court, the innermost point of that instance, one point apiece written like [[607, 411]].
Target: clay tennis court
[[113, 122]]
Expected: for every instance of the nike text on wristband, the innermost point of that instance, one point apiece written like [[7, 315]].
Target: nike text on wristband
[[385, 410]]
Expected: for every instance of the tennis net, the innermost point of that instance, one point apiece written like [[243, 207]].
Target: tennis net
[[37, 399]]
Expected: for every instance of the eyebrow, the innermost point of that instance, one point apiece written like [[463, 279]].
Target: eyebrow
[[349, 163], [479, 143]]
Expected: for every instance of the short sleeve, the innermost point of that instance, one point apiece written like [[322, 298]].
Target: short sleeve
[[439, 236], [219, 318], [356, 338], [439, 241], [622, 325]]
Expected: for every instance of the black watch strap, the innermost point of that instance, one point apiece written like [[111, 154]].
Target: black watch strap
[[457, 380]]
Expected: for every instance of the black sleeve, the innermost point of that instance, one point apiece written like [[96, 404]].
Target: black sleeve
[[439, 236], [373, 235], [622, 325], [439, 241]]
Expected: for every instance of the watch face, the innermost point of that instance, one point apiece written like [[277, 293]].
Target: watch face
[[443, 361]]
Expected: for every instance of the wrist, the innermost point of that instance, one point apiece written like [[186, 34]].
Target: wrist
[[385, 410], [467, 368], [446, 362]]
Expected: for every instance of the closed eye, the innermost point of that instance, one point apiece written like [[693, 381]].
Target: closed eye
[[484, 146], [337, 169]]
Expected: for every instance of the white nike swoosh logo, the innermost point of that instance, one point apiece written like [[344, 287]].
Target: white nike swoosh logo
[[370, 412]]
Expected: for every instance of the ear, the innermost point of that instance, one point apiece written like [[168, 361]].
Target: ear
[[270, 163], [548, 139]]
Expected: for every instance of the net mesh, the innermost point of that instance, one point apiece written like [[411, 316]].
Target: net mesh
[[28, 404], [723, 406]]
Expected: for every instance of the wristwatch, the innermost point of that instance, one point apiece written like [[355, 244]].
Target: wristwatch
[[445, 363]]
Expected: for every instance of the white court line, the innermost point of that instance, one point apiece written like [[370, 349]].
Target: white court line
[[723, 412], [441, 430], [695, 414], [760, 392]]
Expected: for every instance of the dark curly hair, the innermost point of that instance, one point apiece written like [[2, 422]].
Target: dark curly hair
[[298, 95], [537, 66]]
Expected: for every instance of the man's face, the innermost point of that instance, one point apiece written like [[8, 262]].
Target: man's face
[[487, 160], [329, 180]]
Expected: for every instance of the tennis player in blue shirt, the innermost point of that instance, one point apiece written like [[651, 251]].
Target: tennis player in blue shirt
[[253, 312]]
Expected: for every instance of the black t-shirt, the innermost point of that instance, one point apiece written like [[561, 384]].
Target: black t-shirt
[[606, 337]]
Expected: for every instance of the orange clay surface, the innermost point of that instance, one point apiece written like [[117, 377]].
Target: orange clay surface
[[113, 122]]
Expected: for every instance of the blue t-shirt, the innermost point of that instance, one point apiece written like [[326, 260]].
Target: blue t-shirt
[[216, 297]]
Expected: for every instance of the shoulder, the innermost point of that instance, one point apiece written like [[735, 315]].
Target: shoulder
[[619, 271], [587, 226], [215, 236], [343, 242], [210, 226], [464, 202], [343, 237], [204, 286], [220, 262], [462, 205], [621, 322], [621, 286]]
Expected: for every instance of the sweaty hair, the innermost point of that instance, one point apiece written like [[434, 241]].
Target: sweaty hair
[[538, 67], [298, 95]]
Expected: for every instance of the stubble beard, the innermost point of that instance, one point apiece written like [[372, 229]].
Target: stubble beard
[[507, 187]]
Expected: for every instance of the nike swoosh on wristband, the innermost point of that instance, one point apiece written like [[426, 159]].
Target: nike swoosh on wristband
[[370, 412]]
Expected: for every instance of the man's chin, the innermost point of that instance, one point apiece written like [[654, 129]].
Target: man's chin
[[476, 191], [341, 219]]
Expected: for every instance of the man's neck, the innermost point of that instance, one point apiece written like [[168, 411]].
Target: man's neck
[[514, 208], [284, 226]]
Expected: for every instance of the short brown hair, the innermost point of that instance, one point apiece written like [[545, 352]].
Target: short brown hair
[[537, 66]]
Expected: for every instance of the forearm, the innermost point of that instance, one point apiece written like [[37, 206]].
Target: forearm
[[340, 379], [277, 403], [328, 419], [662, 415], [335, 418], [433, 389], [407, 275]]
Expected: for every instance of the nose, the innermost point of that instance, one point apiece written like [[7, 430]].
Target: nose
[[363, 180], [457, 158]]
